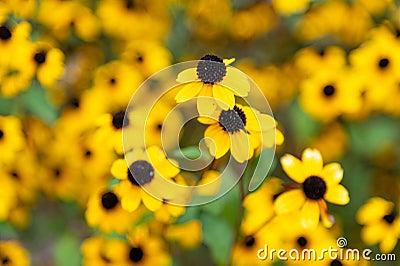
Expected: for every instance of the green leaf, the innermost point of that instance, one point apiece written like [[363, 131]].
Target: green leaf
[[218, 236], [34, 101], [67, 251]]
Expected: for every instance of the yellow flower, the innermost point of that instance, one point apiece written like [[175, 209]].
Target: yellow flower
[[188, 235], [330, 93], [105, 212], [116, 81], [256, 214], [318, 183], [381, 223], [99, 251], [12, 139], [376, 64], [287, 7], [8, 197], [50, 64], [213, 78], [141, 172], [239, 130], [146, 56], [12, 253], [146, 249]]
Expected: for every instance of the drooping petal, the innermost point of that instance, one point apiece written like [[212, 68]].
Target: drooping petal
[[240, 146], [312, 160], [332, 173], [289, 201], [149, 201], [224, 97], [188, 91], [206, 104], [337, 194], [130, 196], [119, 169], [187, 75], [221, 140], [327, 219], [294, 168], [310, 214], [237, 81]]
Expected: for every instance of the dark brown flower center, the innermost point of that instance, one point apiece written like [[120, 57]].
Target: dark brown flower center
[[314, 187], [389, 218], [5, 33], [249, 241], [211, 69], [140, 173], [302, 241], [109, 200], [329, 90], [5, 261], [1, 134], [40, 57], [232, 120], [383, 63], [136, 254], [335, 262], [119, 120]]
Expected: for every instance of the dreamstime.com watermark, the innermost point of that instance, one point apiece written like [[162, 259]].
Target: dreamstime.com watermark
[[340, 252]]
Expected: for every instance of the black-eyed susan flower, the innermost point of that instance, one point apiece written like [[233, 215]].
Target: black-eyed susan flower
[[296, 239], [318, 183], [99, 251], [145, 249], [238, 129], [381, 223], [213, 78], [50, 64], [105, 212], [141, 172], [330, 93], [116, 81], [187, 235], [12, 253]]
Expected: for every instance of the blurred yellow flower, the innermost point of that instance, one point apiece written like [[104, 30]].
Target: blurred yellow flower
[[381, 223], [318, 183], [12, 253], [141, 173]]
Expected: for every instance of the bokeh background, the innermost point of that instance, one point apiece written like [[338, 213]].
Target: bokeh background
[[330, 71]]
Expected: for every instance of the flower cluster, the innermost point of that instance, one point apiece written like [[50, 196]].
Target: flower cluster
[[75, 179]]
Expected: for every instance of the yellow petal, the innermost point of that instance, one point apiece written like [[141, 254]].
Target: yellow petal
[[337, 194], [332, 173], [279, 138], [310, 214], [237, 81], [207, 120], [229, 61], [187, 75], [221, 140], [372, 234], [119, 169], [240, 146], [167, 169], [131, 201], [149, 201], [262, 122], [289, 201], [206, 105], [388, 243], [294, 168], [312, 160], [225, 98], [188, 91]]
